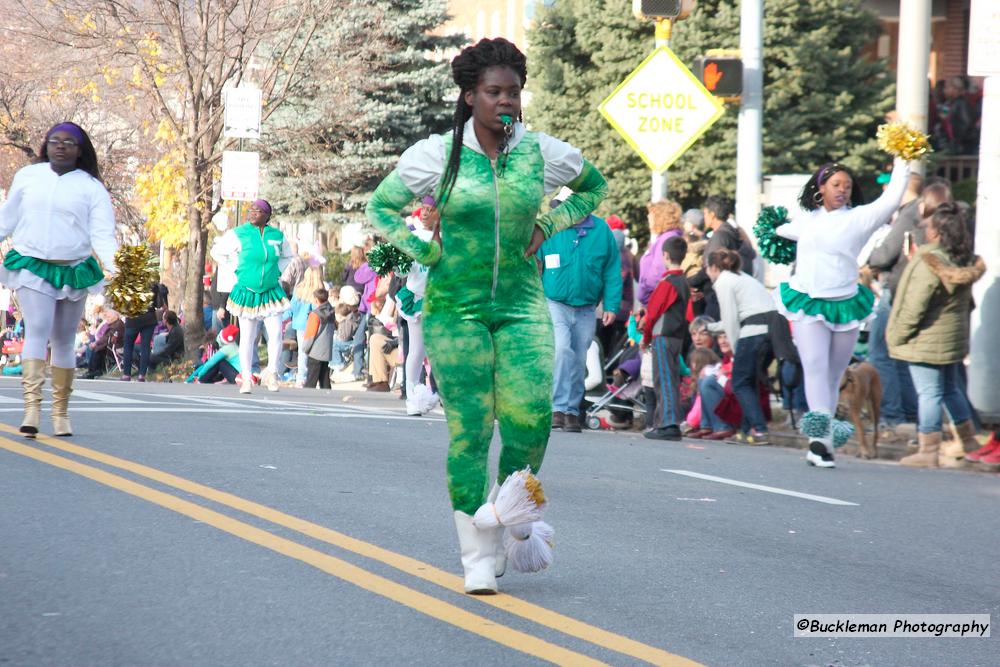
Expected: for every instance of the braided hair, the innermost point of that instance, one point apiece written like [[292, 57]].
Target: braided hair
[[466, 70], [87, 160], [810, 199]]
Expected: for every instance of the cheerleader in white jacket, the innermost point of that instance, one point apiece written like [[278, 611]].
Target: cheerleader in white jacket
[[823, 300], [59, 216]]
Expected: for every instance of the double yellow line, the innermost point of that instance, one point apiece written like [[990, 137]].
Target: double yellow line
[[426, 604]]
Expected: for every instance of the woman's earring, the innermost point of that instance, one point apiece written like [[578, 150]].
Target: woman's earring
[[818, 197]]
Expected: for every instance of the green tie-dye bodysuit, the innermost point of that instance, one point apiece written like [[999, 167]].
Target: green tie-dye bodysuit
[[487, 327]]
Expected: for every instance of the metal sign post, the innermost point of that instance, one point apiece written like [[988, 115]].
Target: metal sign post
[[984, 60]]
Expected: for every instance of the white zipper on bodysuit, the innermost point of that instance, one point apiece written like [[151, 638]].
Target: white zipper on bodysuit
[[496, 226], [264, 263]]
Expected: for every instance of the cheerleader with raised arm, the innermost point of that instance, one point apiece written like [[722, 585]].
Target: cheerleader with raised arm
[[823, 299]]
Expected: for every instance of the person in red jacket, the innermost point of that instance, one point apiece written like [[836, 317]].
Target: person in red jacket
[[663, 330]]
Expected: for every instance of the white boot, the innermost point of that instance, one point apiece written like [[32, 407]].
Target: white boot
[[269, 379], [501, 552], [478, 556]]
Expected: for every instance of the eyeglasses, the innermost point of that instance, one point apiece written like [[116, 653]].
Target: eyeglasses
[[65, 143]]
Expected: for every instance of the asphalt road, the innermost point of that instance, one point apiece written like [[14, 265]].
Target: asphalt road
[[186, 525]]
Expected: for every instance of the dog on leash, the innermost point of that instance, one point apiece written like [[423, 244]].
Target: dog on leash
[[861, 390]]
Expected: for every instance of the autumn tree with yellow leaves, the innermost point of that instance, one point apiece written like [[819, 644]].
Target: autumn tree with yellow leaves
[[180, 57]]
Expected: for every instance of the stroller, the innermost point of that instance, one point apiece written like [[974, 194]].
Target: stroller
[[624, 390]]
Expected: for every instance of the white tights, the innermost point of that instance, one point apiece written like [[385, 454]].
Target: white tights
[[248, 342], [415, 354], [51, 323], [825, 356]]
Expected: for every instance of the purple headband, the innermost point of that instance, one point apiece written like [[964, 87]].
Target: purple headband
[[822, 172], [263, 205], [68, 128]]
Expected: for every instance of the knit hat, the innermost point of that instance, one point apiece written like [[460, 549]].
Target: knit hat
[[695, 217], [614, 222], [228, 334], [349, 295]]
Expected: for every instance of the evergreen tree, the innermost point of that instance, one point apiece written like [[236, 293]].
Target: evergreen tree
[[372, 90], [822, 98]]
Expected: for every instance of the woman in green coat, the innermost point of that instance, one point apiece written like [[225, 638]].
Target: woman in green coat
[[487, 325], [929, 328]]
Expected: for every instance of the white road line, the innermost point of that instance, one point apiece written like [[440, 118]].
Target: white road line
[[218, 402], [760, 487], [103, 398], [247, 411], [8, 399]]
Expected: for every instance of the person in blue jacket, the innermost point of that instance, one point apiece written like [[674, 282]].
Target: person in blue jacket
[[581, 267], [223, 364]]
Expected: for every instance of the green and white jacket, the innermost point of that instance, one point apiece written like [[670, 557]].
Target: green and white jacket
[[259, 258], [488, 220]]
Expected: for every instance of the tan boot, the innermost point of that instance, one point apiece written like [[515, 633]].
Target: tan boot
[[927, 455], [952, 454], [32, 379], [62, 387]]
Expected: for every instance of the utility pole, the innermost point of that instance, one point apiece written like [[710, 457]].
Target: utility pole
[[913, 62], [984, 369], [984, 60], [750, 127], [659, 189]]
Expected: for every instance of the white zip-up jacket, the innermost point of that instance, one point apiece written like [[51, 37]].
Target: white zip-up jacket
[[63, 218], [829, 242]]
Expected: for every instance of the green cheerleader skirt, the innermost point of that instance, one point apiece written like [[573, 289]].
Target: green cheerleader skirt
[[841, 313], [409, 304], [78, 276], [252, 305]]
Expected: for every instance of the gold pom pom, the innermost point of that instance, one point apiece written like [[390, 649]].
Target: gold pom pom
[[129, 290], [902, 141], [534, 489]]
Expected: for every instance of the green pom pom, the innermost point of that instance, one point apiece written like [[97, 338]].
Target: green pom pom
[[385, 258], [842, 432], [775, 249], [815, 424]]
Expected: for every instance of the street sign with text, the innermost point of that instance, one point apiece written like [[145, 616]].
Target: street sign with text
[[984, 38], [242, 113], [240, 175], [660, 109]]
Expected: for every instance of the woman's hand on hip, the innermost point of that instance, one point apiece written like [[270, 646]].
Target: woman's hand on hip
[[537, 239]]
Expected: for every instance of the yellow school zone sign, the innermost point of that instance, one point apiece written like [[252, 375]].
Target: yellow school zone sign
[[660, 109]]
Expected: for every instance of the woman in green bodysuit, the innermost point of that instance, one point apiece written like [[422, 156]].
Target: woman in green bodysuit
[[488, 329]]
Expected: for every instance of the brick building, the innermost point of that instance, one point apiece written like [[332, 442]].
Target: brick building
[[949, 35]]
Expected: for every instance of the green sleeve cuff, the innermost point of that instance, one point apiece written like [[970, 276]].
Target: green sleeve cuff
[[383, 210], [589, 190]]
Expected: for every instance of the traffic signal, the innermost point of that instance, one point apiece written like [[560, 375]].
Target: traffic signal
[[721, 75], [657, 9]]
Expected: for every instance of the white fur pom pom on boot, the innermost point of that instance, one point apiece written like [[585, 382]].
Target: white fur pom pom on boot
[[478, 556], [519, 500], [529, 546]]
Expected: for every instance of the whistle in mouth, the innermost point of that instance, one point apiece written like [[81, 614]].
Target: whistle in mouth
[[508, 123]]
